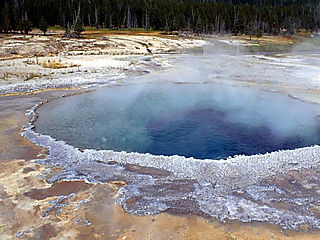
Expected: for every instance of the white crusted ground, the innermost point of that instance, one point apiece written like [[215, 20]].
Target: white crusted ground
[[41, 62]]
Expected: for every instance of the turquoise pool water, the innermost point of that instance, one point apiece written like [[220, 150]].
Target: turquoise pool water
[[194, 120]]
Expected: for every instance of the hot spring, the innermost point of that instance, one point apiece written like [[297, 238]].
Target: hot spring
[[200, 120]]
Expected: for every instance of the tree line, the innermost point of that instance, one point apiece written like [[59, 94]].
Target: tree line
[[201, 16]]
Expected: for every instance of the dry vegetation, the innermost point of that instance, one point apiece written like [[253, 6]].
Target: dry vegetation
[[57, 64]]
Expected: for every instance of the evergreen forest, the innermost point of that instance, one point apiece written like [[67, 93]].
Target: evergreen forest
[[202, 16]]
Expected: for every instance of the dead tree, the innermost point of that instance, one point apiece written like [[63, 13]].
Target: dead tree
[[96, 16], [76, 19], [129, 18], [147, 21]]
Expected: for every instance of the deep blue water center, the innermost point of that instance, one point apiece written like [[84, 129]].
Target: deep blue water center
[[193, 120]]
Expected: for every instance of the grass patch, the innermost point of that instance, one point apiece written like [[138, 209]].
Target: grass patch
[[31, 76], [5, 75], [92, 32], [52, 28]]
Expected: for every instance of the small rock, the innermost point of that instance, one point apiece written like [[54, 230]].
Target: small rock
[[147, 59], [19, 234], [86, 222]]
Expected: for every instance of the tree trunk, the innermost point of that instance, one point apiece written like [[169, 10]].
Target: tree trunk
[[77, 16], [147, 21], [110, 21], [129, 18], [89, 19], [68, 33], [96, 16]]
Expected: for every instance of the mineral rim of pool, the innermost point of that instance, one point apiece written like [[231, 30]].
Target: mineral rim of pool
[[204, 121]]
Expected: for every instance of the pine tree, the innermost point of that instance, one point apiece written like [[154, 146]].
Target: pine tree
[[6, 24], [26, 26], [199, 26], [78, 29], [198, 15], [252, 29], [43, 26]]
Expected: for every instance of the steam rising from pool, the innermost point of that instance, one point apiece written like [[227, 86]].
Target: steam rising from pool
[[200, 120]]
